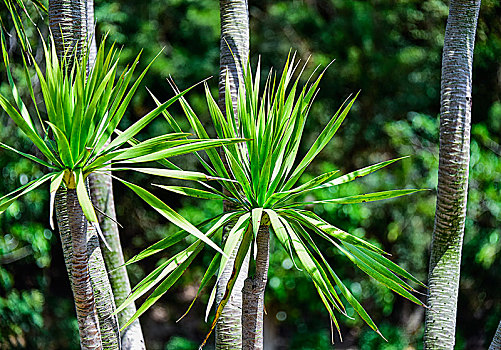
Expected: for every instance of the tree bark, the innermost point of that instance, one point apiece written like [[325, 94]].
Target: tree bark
[[234, 47], [102, 198], [76, 237], [90, 32], [67, 21], [496, 341], [101, 189], [253, 294], [455, 123], [72, 25]]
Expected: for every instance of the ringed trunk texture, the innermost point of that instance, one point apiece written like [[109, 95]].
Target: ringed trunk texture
[[102, 198], [72, 25], [253, 294], [77, 249], [90, 32], [101, 189], [455, 123], [234, 46], [68, 24], [496, 341]]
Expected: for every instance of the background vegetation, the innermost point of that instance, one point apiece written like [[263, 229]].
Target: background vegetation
[[391, 50]]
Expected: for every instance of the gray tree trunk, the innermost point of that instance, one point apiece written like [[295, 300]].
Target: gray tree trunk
[[455, 122], [496, 341], [101, 189], [102, 197], [78, 250], [253, 294], [72, 25], [234, 48]]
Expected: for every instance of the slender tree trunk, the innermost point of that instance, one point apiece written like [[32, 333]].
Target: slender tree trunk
[[67, 21], [76, 237], [253, 294], [496, 341], [102, 197], [455, 122], [72, 24], [234, 48], [90, 31], [101, 189]]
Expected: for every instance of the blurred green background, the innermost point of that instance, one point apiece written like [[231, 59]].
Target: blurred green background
[[388, 49]]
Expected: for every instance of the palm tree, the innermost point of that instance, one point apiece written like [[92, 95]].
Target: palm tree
[[455, 122], [234, 49], [82, 114], [261, 179], [73, 25], [70, 26]]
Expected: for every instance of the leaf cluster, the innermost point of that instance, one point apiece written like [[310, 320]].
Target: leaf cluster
[[83, 108], [266, 169]]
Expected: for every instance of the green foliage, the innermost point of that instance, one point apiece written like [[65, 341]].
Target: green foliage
[[178, 343], [389, 50], [265, 170], [20, 312], [83, 111]]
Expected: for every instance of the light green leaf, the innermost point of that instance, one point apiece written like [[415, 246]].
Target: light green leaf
[[29, 156], [211, 271], [83, 197], [194, 146], [315, 223], [391, 283], [169, 213], [358, 173], [27, 129], [164, 286], [10, 198], [55, 182], [173, 174], [144, 121], [191, 192], [319, 144], [362, 198], [63, 146]]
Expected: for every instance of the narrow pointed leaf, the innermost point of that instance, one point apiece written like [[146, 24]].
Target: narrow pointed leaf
[[191, 192], [10, 198], [169, 213]]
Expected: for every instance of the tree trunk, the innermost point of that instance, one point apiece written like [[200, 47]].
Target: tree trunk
[[496, 341], [455, 122], [102, 198], [76, 237], [90, 31], [234, 46], [72, 25], [253, 294], [101, 189], [67, 21]]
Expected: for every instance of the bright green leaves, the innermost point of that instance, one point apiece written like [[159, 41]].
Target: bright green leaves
[[168, 272], [169, 213], [265, 170], [294, 235], [191, 192], [55, 182], [83, 110], [8, 199], [320, 143]]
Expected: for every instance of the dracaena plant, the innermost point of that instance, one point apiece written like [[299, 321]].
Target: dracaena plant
[[82, 111], [266, 169]]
